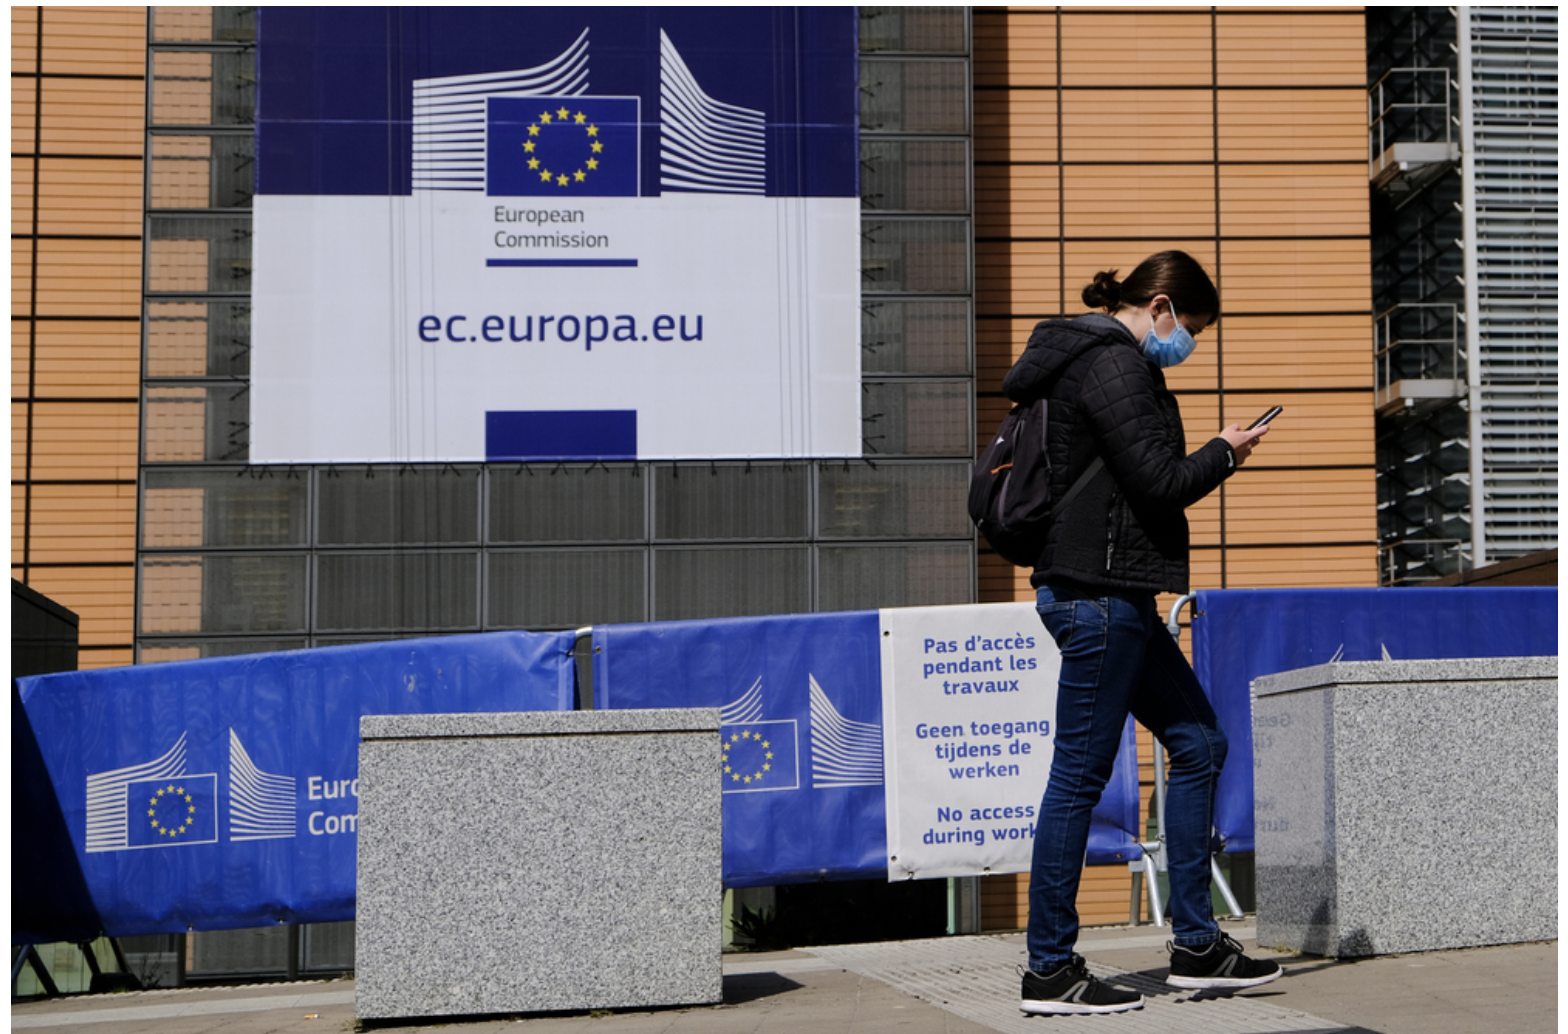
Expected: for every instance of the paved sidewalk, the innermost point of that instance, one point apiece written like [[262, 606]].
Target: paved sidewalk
[[959, 985]]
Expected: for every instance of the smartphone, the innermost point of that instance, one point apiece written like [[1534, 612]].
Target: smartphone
[[1265, 418]]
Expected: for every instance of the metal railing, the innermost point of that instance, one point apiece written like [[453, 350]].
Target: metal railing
[[1395, 117], [1425, 356]]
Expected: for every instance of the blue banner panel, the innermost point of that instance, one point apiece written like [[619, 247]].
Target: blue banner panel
[[224, 792], [1116, 823], [1242, 634], [800, 702], [583, 434], [374, 100]]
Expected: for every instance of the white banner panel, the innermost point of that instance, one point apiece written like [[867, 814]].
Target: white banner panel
[[968, 706], [384, 333]]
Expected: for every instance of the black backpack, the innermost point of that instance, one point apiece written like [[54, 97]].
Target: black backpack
[[1010, 486]]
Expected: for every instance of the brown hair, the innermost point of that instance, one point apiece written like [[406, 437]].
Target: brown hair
[[1174, 274]]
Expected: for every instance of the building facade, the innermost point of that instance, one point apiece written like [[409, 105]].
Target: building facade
[[1006, 156]]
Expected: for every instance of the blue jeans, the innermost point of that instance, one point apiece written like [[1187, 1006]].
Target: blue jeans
[[1118, 659]]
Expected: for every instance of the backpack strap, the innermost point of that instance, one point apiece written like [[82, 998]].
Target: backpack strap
[[1078, 486]]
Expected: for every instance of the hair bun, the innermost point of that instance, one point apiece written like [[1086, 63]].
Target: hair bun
[[1104, 293]]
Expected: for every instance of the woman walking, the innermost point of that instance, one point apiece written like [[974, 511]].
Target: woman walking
[[1121, 540]]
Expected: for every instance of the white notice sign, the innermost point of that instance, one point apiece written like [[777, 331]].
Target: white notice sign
[[968, 706]]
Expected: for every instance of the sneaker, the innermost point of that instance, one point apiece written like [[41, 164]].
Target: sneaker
[[1072, 989], [1220, 965]]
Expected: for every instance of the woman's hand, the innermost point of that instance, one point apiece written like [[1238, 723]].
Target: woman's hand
[[1241, 442]]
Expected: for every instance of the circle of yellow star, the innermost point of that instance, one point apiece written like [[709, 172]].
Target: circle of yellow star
[[563, 116], [152, 812], [755, 776]]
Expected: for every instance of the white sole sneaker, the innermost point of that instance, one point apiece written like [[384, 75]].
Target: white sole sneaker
[[1220, 983], [1059, 1008]]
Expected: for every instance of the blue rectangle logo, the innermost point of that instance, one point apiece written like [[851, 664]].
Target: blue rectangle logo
[[561, 147], [579, 434]]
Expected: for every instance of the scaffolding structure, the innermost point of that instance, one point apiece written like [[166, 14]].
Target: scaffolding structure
[[1462, 145]]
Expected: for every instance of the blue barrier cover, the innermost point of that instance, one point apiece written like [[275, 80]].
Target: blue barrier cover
[[222, 793], [1242, 634], [807, 686], [784, 685]]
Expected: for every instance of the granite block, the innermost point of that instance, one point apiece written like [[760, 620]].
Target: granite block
[[515, 863], [1406, 805]]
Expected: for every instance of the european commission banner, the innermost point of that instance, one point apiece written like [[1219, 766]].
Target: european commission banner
[[224, 793], [554, 233]]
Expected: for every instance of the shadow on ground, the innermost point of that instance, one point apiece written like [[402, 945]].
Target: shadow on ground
[[740, 988]]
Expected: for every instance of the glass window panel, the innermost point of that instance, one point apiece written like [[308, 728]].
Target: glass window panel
[[189, 509], [730, 501], [253, 950], [722, 583], [927, 30], [914, 175], [191, 171], [917, 418], [198, 339], [222, 593], [893, 500], [203, 24], [384, 505], [199, 254], [915, 256], [196, 88], [328, 946], [914, 96], [566, 588], [900, 335], [193, 423], [369, 591], [544, 503], [916, 575], [158, 651]]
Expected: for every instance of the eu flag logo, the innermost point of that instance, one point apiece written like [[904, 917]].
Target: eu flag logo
[[561, 147], [172, 811], [760, 756]]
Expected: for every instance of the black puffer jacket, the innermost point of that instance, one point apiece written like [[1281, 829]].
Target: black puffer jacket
[[1127, 528]]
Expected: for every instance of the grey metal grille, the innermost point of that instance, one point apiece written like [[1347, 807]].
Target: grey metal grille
[[926, 30], [205, 508], [893, 501], [198, 338], [730, 501], [918, 418], [394, 591], [561, 588], [423, 505], [916, 256], [916, 575], [914, 175], [261, 949], [899, 335], [914, 95], [567, 503], [734, 582]]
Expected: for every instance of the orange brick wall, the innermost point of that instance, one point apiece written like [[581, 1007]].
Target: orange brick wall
[[1238, 135], [77, 131]]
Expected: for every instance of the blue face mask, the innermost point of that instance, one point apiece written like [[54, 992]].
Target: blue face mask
[[1169, 351]]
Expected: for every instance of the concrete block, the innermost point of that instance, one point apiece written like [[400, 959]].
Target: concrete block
[[1406, 805], [528, 862]]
